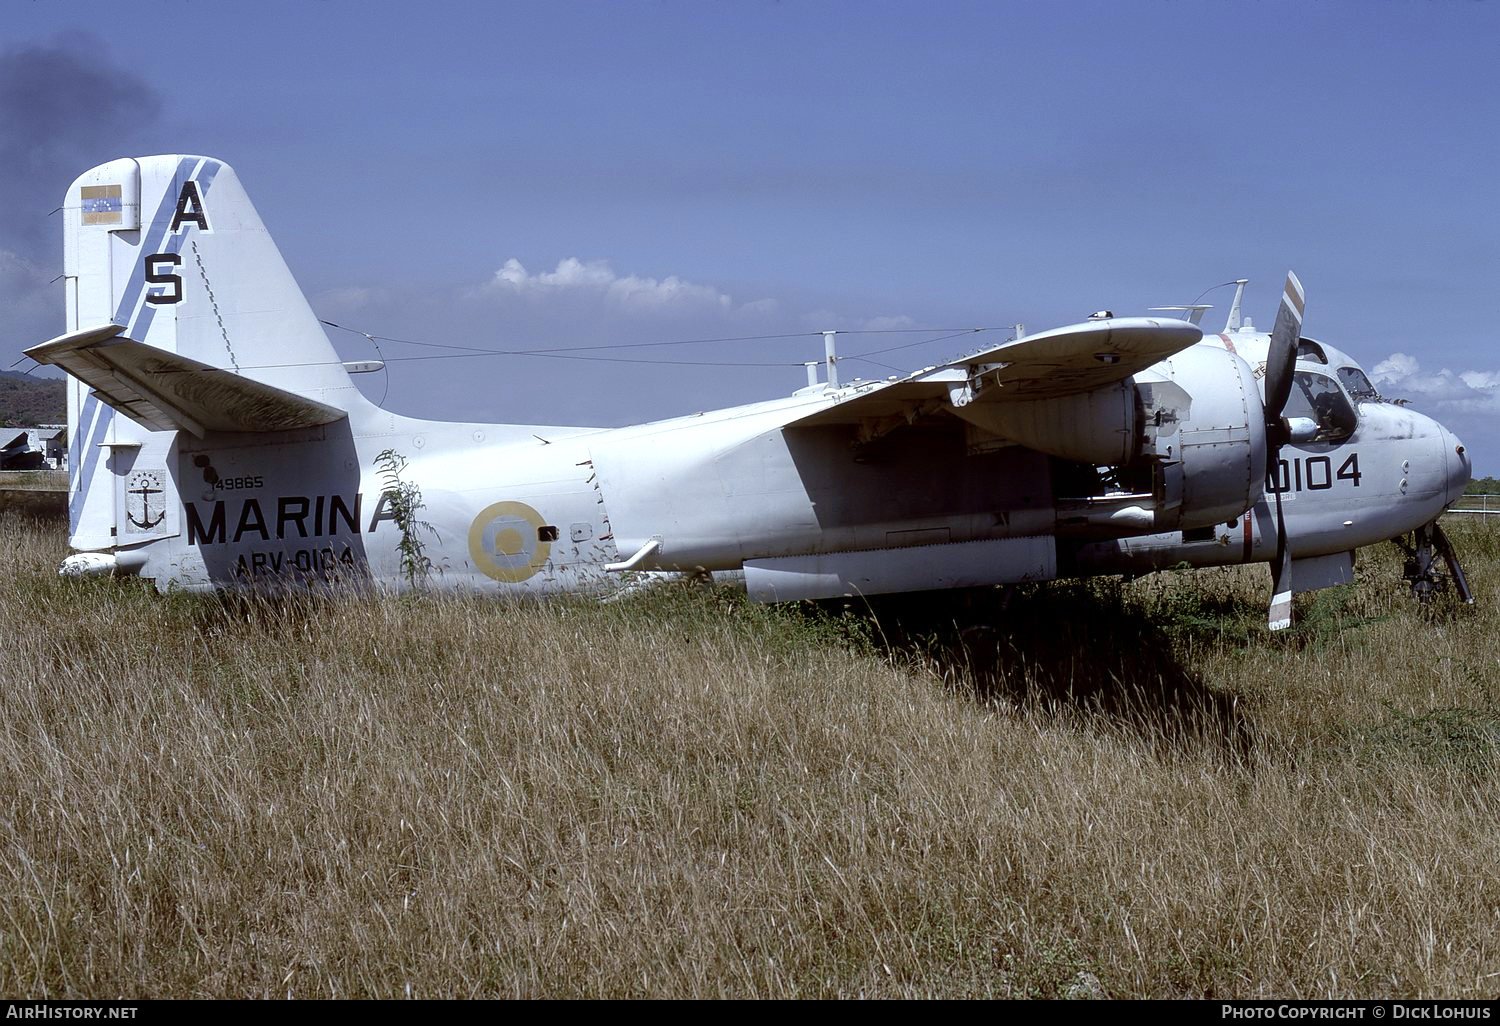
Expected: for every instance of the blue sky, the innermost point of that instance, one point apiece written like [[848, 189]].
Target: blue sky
[[523, 176]]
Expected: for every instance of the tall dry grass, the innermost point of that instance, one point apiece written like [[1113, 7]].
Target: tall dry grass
[[1110, 789]]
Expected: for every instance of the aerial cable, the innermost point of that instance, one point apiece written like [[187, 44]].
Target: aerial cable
[[573, 349], [480, 350], [926, 341], [594, 359], [576, 352]]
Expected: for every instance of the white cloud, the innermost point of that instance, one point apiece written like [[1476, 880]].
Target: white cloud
[[1481, 379], [1400, 376], [1395, 367], [900, 323], [597, 279], [824, 320], [759, 308]]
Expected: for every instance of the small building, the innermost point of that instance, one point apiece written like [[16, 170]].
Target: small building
[[34, 448]]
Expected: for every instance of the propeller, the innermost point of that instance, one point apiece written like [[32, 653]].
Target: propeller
[[1281, 365]]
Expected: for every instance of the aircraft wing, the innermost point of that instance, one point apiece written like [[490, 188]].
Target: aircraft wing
[[1065, 361], [165, 391]]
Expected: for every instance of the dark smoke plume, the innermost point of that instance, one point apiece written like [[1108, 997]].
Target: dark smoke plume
[[64, 107]]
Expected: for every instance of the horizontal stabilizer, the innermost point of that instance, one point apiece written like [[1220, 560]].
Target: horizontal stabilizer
[[167, 392]]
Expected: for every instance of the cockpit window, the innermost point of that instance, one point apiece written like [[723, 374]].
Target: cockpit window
[[1318, 398], [1357, 384], [1307, 349]]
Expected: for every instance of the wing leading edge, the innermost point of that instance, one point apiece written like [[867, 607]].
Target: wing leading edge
[[1067, 361]]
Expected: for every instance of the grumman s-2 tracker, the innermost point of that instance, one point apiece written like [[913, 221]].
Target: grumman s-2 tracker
[[217, 440]]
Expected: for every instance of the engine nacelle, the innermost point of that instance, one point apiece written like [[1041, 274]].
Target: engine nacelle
[[1204, 427], [1189, 433]]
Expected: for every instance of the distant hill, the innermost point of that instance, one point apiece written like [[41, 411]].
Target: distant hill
[[25, 401]]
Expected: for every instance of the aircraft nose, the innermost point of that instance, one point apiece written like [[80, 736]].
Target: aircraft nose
[[1460, 468]]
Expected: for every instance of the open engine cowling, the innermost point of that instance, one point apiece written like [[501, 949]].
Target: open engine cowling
[[1204, 430], [1185, 438]]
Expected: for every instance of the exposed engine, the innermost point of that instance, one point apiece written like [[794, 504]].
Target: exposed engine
[[1145, 453]]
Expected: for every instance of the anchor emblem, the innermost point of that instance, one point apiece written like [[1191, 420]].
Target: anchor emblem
[[142, 485]]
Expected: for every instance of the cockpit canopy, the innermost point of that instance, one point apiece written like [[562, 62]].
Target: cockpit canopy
[[1328, 385], [1317, 398], [1350, 375], [1357, 385]]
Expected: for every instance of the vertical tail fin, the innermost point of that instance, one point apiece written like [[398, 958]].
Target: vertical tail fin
[[171, 250]]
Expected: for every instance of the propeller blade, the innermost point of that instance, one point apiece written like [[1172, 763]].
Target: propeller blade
[[1281, 360], [1280, 617], [1281, 366]]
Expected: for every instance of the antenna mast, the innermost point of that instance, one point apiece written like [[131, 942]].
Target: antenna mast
[[1233, 324]]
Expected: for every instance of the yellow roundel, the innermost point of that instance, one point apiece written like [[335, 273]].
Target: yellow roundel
[[505, 542]]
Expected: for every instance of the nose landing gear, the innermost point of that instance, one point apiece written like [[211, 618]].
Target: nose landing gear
[[1423, 548]]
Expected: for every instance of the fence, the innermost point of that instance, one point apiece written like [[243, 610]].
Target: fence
[[1477, 505]]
